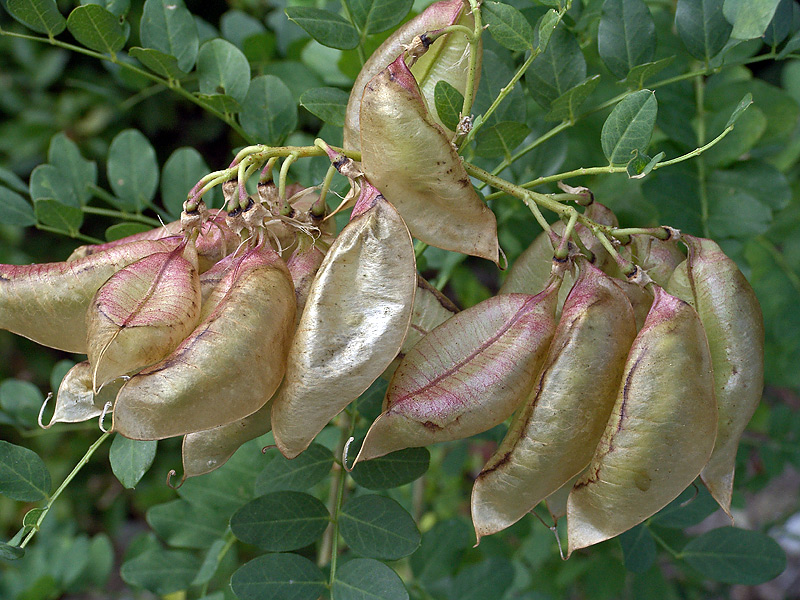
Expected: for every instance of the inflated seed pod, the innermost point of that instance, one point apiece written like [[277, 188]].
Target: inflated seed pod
[[228, 367], [640, 297], [76, 401], [410, 159], [355, 320], [303, 265], [446, 60], [657, 257], [142, 313], [661, 431], [47, 302], [553, 436], [731, 315], [467, 375]]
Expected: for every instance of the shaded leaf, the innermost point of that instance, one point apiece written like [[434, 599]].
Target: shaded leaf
[[220, 103], [48, 181], [641, 73], [297, 474], [123, 230], [183, 169], [392, 470], [132, 169], [744, 103], [96, 28], [441, 549], [629, 127], [626, 36], [61, 217], [185, 525], [690, 508], [508, 26], [223, 69], [565, 107], [64, 154], [23, 475], [130, 459], [21, 400], [638, 548], [557, 69], [328, 28], [641, 165], [15, 209], [269, 112], [209, 567], [378, 527], [702, 27], [160, 63], [737, 215], [501, 139], [367, 579], [236, 26], [40, 15], [547, 25], [327, 103], [285, 576], [449, 102], [9, 552], [487, 580], [160, 571], [750, 18], [169, 27], [12, 180], [375, 16]]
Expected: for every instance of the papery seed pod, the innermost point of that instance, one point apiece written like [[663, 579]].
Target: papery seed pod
[[204, 451], [661, 431], [467, 375], [215, 241], [47, 302], [445, 60], [409, 158], [354, 322], [142, 313], [76, 401], [303, 265], [731, 315], [641, 300], [553, 436], [657, 257], [229, 366], [556, 503]]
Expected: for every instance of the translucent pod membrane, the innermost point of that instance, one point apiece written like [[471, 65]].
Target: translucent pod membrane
[[731, 315], [467, 375], [76, 401], [658, 258], [661, 431], [410, 159], [354, 322], [446, 60], [47, 303], [229, 366], [215, 240], [303, 265], [553, 436], [142, 313]]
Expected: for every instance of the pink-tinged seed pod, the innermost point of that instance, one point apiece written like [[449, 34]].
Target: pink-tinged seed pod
[[553, 436], [731, 315], [354, 322], [445, 60], [229, 366], [661, 431], [467, 375], [142, 313], [657, 257], [303, 265], [47, 302], [76, 401], [409, 158]]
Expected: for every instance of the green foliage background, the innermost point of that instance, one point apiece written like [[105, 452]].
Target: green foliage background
[[111, 110]]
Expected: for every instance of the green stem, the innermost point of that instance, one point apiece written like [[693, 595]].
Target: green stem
[[118, 214], [51, 500], [77, 235], [339, 482], [699, 96], [472, 64]]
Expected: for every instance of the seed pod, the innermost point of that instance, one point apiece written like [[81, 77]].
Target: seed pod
[[229, 366], [142, 313], [47, 302], [731, 315], [354, 322], [303, 265], [661, 431], [409, 158], [445, 60], [553, 436], [467, 375], [657, 257], [76, 401]]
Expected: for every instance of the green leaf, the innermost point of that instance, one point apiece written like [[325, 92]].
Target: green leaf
[[392, 470], [449, 102], [185, 525], [221, 103], [269, 112], [236, 26], [328, 28], [167, 26], [48, 181], [638, 549], [183, 169], [159, 63], [781, 24], [748, 131], [8, 552], [690, 508], [367, 579], [61, 217], [64, 154], [757, 178], [557, 69], [117, 8], [23, 475], [501, 139], [32, 517], [738, 556], [297, 474], [130, 459], [565, 107], [12, 180], [281, 521], [641, 165], [375, 16], [629, 127], [440, 552], [97, 29], [327, 103], [121, 230], [284, 576], [132, 169], [626, 36], [508, 26], [750, 18], [641, 73], [487, 580], [210, 565], [223, 69], [547, 25], [737, 215], [378, 527], [15, 210], [160, 571], [743, 105], [40, 15], [21, 400], [702, 27]]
